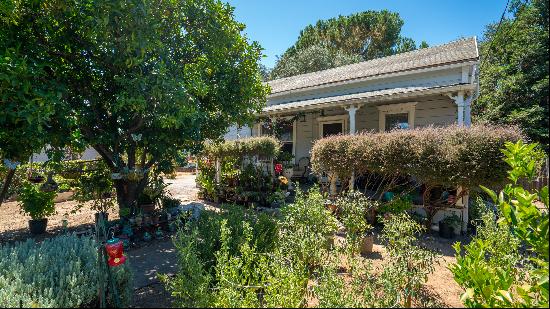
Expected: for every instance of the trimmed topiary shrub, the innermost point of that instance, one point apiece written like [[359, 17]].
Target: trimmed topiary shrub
[[448, 156], [60, 272], [265, 146]]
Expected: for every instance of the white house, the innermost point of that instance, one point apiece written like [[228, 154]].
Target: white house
[[429, 86]]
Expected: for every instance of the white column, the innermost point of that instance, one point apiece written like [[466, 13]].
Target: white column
[[459, 101], [218, 171], [351, 110]]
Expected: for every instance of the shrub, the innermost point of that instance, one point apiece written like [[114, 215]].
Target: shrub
[[60, 272], [36, 203], [305, 225], [265, 146], [409, 263], [488, 270], [450, 156]]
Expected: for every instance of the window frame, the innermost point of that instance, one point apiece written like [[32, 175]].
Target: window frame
[[399, 108]]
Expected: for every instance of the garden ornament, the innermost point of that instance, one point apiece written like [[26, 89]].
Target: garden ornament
[[115, 251]]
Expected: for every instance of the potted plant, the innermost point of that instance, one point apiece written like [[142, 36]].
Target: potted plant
[[146, 203], [449, 226], [354, 207], [38, 205]]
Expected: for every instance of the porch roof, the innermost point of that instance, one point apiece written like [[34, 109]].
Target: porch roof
[[363, 97]]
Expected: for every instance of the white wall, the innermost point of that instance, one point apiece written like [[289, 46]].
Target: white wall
[[235, 133]]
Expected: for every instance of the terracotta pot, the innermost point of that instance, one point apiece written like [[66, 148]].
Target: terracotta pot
[[38, 227], [332, 207], [366, 243]]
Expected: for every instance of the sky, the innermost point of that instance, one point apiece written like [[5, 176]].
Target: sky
[[277, 24]]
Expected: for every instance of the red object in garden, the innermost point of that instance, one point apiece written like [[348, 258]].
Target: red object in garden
[[115, 250], [278, 168]]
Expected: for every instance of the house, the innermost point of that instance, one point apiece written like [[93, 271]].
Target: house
[[429, 86]]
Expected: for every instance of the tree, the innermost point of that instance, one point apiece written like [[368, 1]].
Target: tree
[[313, 58], [29, 96], [143, 81], [514, 71], [357, 37]]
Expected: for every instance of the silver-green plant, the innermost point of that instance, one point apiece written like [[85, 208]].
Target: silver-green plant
[[60, 272]]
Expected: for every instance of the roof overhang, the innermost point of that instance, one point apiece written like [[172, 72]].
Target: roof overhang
[[364, 98], [377, 77]]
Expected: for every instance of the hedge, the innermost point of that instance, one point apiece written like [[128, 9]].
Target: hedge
[[264, 146], [449, 156]]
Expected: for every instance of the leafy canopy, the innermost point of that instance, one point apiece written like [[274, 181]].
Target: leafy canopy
[[141, 81], [514, 71], [344, 40]]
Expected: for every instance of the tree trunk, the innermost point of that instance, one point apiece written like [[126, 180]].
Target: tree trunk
[[128, 192], [6, 185]]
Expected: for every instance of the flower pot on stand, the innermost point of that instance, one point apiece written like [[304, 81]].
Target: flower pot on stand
[[38, 226]]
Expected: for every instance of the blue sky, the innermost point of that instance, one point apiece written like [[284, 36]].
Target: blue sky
[[276, 24]]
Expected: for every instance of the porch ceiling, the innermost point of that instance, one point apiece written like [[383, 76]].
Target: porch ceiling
[[363, 97]]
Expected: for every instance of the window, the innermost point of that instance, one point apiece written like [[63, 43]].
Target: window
[[286, 137], [400, 115], [397, 121], [332, 128]]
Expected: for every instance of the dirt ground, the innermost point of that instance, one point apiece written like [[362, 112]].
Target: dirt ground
[[14, 224]]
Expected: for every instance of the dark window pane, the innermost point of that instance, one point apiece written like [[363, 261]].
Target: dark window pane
[[287, 147], [286, 132], [332, 129], [397, 121]]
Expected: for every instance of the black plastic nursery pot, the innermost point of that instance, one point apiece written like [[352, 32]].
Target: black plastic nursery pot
[[38, 226], [446, 230]]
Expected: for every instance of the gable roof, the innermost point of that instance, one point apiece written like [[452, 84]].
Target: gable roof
[[462, 50]]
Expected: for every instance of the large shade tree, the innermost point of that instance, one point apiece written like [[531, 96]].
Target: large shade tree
[[514, 70], [29, 97], [343, 40], [145, 80]]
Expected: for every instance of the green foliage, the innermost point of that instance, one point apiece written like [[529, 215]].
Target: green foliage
[[265, 146], [514, 71], [448, 156], [354, 207], [313, 58], [36, 203], [305, 225], [488, 269], [140, 81], [409, 263], [396, 205], [59, 272], [343, 40], [94, 185], [230, 260]]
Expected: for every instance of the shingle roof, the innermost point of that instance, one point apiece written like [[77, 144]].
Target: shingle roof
[[362, 96], [453, 52]]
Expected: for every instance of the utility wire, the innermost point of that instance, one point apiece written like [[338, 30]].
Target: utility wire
[[495, 33]]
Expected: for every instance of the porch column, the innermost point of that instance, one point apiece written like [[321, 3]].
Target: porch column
[[351, 110], [459, 101]]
